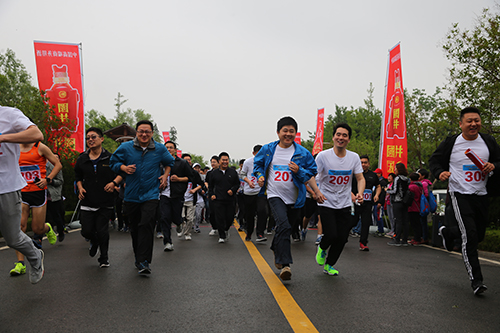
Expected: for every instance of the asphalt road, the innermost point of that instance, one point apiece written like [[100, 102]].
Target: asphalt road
[[204, 286]]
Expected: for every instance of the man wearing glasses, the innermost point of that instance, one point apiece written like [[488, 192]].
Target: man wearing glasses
[[96, 182], [141, 161]]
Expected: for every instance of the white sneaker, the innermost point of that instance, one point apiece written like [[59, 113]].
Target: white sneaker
[[36, 274], [169, 247], [221, 240], [212, 232], [187, 237], [159, 235]]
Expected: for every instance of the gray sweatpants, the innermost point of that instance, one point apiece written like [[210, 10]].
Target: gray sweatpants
[[10, 226]]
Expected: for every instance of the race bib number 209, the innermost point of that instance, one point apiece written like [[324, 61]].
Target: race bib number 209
[[339, 177]]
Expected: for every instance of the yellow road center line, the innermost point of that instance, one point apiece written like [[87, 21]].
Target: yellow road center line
[[292, 311]]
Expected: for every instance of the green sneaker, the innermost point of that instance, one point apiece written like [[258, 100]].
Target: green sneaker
[[320, 256], [330, 270], [19, 269], [51, 235]]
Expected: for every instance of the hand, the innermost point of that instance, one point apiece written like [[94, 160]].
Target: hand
[[293, 167], [230, 192], [443, 176], [110, 187], [320, 198], [375, 198], [174, 178], [81, 193], [261, 181], [193, 191], [353, 197], [41, 183], [359, 198], [488, 167], [163, 181], [212, 197], [128, 169]]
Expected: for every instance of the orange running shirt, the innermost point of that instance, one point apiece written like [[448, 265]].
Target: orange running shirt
[[32, 166]]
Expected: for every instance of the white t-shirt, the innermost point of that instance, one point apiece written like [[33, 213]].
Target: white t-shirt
[[280, 182], [466, 178], [335, 177], [12, 120], [248, 171], [188, 196]]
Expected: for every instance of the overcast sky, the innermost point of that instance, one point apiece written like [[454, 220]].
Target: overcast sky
[[224, 72]]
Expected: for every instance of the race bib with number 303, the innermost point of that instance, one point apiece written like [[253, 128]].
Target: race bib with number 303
[[30, 172]]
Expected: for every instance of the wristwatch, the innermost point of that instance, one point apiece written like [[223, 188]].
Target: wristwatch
[[48, 180]]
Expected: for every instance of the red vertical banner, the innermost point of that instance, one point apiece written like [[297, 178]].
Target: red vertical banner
[[179, 153], [320, 126], [166, 136], [297, 139], [59, 74], [393, 144]]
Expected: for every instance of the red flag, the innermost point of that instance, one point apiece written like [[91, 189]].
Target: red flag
[[179, 153], [60, 76], [297, 138], [393, 145], [166, 136], [318, 140]]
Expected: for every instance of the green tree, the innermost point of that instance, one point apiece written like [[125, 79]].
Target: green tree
[[475, 67], [198, 159]]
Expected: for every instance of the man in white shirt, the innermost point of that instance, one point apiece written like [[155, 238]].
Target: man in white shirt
[[336, 168], [16, 128], [468, 188]]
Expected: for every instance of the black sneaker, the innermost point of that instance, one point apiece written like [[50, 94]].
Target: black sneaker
[[93, 249], [60, 237], [144, 268], [104, 264], [261, 238], [447, 239], [394, 242], [478, 287]]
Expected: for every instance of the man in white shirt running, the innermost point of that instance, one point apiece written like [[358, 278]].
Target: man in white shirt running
[[336, 168]]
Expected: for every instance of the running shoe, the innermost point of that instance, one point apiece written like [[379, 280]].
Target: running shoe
[[303, 234], [321, 256], [318, 240], [93, 249], [19, 269], [51, 235], [327, 269], [36, 274], [394, 242], [187, 237], [222, 240], [261, 238], [286, 273], [363, 247], [144, 268], [168, 247], [212, 232], [159, 235], [478, 287], [248, 239], [104, 264]]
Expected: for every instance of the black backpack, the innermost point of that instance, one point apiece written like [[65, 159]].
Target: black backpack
[[408, 196]]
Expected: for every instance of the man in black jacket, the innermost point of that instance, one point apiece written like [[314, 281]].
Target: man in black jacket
[[222, 187], [96, 182], [468, 187], [172, 197]]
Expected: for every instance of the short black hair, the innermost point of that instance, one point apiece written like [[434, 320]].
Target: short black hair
[[185, 155], [242, 161], [423, 172], [469, 109], [256, 148], [175, 145], [286, 121], [342, 125], [223, 154], [414, 176], [392, 174], [94, 129], [144, 122], [364, 156], [215, 157]]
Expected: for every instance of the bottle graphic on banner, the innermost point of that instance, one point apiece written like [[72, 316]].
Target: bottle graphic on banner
[[396, 126], [64, 97]]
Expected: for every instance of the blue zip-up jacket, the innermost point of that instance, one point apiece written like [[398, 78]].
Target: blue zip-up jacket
[[143, 185], [302, 157]]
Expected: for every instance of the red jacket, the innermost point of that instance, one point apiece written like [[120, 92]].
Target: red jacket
[[417, 190]]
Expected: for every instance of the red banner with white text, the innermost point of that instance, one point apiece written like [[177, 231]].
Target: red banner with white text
[[320, 126], [59, 73], [166, 136], [393, 144]]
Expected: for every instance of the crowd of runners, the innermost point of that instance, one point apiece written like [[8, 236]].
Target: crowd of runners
[[281, 191]]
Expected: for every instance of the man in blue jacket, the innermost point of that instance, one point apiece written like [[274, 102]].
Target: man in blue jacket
[[142, 160], [282, 168]]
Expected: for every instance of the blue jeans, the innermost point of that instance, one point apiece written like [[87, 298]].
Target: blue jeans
[[284, 216]]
